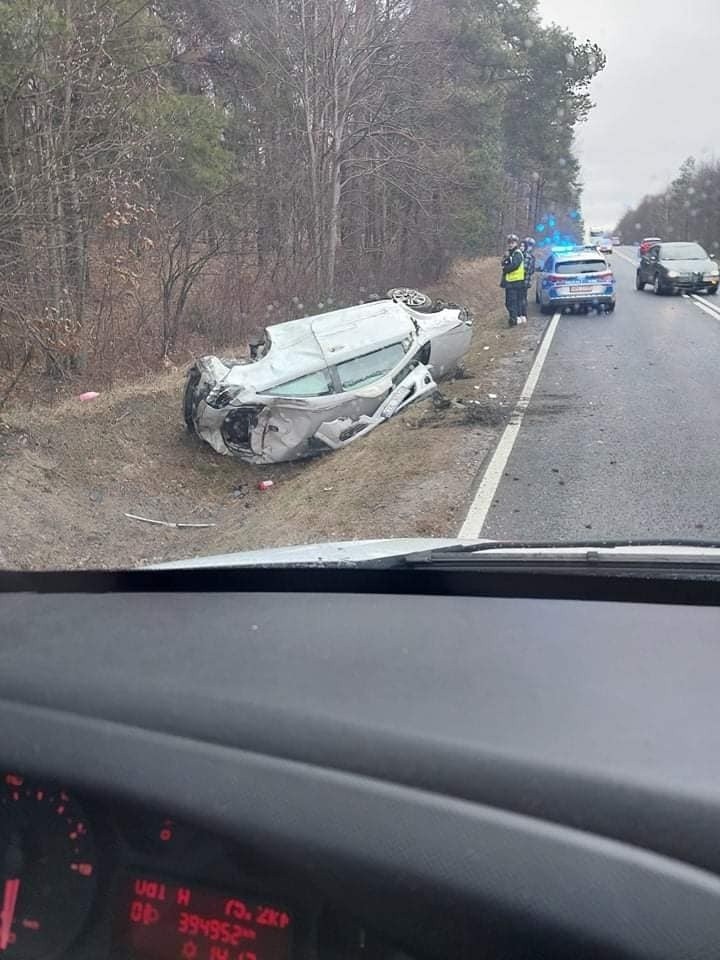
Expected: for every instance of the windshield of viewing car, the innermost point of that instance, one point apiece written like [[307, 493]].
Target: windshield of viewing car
[[435, 207], [682, 251]]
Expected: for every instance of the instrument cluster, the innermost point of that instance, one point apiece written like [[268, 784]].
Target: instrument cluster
[[81, 880]]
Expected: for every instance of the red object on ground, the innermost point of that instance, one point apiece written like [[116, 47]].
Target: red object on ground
[[265, 484]]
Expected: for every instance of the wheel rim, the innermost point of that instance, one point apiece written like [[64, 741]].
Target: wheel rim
[[411, 298]]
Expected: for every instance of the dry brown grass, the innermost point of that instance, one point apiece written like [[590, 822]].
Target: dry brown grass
[[70, 471]]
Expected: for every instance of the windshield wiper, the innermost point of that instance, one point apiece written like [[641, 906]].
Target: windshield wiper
[[641, 553], [609, 543]]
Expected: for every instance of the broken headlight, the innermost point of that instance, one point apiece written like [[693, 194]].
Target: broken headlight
[[220, 397], [237, 428]]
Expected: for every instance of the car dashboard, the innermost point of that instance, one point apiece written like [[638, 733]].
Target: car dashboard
[[287, 764], [84, 879]]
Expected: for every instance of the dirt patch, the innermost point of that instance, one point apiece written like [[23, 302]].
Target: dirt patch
[[70, 471]]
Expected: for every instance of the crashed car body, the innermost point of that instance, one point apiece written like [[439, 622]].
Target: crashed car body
[[320, 382]]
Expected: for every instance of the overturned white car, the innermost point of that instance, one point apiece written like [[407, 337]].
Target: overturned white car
[[318, 383]]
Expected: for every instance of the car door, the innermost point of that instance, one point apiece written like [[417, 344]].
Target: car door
[[545, 268], [652, 260], [644, 266]]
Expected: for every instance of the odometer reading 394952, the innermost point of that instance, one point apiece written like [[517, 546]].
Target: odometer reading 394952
[[47, 869], [178, 921]]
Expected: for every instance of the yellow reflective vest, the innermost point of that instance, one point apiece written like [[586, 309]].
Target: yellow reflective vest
[[516, 275]]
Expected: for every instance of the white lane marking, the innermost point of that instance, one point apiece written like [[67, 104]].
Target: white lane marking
[[711, 306], [477, 514], [705, 307]]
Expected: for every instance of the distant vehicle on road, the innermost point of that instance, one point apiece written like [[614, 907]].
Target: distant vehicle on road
[[605, 245], [575, 278], [648, 242], [677, 267], [616, 241]]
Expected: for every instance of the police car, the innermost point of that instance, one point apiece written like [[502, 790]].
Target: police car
[[575, 277]]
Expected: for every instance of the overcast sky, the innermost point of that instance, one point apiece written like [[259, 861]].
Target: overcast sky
[[657, 99]]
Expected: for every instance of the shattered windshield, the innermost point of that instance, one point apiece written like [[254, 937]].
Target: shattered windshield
[[366, 370], [314, 385], [300, 272]]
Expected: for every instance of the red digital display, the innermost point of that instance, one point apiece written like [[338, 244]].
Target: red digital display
[[171, 921]]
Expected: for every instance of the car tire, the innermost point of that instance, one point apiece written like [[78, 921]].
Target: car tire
[[546, 308], [415, 299], [189, 402], [609, 308], [658, 288], [639, 284], [712, 291]]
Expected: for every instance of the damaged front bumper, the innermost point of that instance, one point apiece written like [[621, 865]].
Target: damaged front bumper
[[269, 429]]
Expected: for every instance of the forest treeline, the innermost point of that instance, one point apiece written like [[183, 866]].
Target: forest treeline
[[193, 169], [687, 209]]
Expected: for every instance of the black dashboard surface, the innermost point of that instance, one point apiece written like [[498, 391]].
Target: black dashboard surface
[[475, 776]]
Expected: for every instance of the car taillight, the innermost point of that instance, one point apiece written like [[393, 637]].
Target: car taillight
[[605, 276], [555, 277]]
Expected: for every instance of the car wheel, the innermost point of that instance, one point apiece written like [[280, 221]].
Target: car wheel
[[657, 286], [639, 284], [546, 308], [609, 308], [412, 298], [712, 291]]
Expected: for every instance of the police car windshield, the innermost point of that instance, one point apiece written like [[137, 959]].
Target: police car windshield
[[682, 251], [580, 266]]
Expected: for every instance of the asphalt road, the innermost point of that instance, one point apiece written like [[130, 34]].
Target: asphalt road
[[622, 435]]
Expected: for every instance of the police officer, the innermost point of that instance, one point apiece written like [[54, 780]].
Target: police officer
[[528, 249], [513, 280]]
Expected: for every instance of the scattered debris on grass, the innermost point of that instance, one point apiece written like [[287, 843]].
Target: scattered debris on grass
[[167, 523]]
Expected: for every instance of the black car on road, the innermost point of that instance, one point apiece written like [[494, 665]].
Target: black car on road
[[676, 268]]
